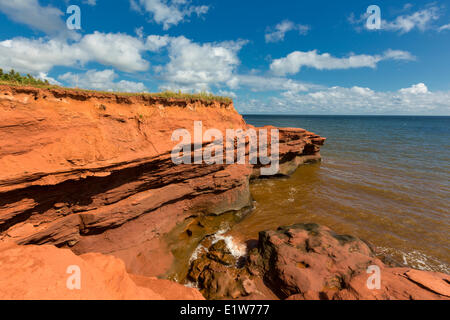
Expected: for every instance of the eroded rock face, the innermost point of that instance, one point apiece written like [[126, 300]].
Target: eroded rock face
[[41, 273], [311, 262], [308, 258], [93, 171]]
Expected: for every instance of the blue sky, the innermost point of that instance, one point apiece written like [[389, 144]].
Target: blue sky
[[276, 57]]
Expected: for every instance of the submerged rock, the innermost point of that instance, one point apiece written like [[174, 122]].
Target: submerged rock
[[216, 274], [219, 252]]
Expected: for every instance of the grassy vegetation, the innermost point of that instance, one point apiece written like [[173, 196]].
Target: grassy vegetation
[[16, 79], [203, 96]]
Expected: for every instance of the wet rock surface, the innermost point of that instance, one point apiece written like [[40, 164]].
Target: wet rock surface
[[310, 262], [217, 273]]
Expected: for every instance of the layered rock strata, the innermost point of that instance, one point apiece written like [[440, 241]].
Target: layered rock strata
[[93, 171]]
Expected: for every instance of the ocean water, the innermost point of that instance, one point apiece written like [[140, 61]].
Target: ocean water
[[385, 179]]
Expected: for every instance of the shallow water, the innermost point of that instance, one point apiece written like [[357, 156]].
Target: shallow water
[[383, 179]]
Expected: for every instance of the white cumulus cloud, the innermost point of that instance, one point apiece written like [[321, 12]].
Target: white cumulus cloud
[[191, 66], [278, 33], [419, 88], [415, 100], [258, 83], [118, 50], [444, 27], [421, 20], [115, 49], [169, 12], [155, 42], [294, 61], [47, 19], [194, 66], [44, 76], [101, 80], [39, 55]]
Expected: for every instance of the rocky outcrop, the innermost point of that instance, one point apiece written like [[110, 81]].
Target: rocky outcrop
[[310, 262], [93, 171], [48, 273]]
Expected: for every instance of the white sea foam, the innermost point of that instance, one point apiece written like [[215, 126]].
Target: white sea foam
[[416, 259], [237, 249], [200, 249], [190, 284]]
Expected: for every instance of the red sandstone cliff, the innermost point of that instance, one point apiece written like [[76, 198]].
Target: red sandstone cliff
[[93, 172]]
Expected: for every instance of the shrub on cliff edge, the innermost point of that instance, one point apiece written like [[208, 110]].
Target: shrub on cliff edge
[[14, 77]]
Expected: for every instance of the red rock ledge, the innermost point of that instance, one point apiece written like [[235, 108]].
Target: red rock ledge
[[87, 179], [40, 273], [92, 171], [310, 262]]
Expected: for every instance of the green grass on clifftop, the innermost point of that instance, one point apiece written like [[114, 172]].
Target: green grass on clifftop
[[14, 78]]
